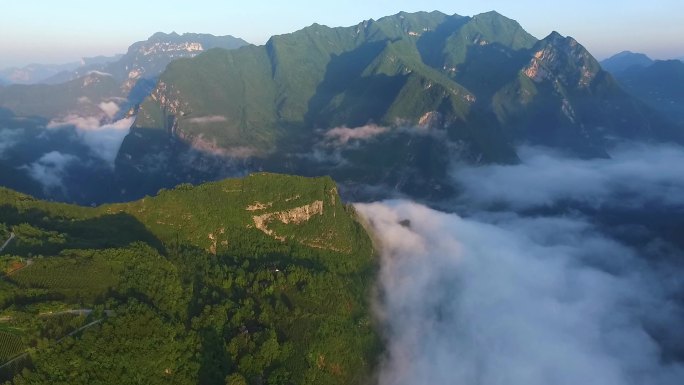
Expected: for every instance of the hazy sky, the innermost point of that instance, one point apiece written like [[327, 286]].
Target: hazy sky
[[50, 31]]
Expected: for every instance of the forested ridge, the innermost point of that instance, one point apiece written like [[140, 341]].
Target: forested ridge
[[260, 280]]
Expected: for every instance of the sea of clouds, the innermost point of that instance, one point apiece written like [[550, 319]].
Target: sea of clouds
[[492, 294]]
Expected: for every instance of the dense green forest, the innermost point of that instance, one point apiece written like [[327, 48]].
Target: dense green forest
[[261, 280]]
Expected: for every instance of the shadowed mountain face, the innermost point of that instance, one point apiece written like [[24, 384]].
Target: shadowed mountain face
[[660, 85], [391, 102]]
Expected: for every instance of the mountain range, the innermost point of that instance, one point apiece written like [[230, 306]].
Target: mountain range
[[394, 102], [658, 83], [624, 60], [33, 73], [64, 126], [122, 82], [51, 73], [408, 95], [171, 270]]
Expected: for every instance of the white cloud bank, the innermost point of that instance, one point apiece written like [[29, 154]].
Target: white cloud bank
[[635, 174], [110, 108], [503, 298], [50, 169], [516, 301], [9, 138], [342, 135], [104, 140], [208, 119]]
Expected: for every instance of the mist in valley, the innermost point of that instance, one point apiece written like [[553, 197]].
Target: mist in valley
[[525, 280]]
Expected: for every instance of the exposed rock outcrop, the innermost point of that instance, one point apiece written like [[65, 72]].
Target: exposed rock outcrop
[[295, 216]]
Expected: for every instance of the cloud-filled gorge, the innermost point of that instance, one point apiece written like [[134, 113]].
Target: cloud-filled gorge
[[501, 296], [69, 158], [634, 174], [104, 140]]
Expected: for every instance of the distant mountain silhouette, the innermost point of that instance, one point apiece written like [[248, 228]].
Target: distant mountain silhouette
[[625, 60]]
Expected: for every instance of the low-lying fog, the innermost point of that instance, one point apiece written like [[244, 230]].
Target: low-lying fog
[[518, 287]]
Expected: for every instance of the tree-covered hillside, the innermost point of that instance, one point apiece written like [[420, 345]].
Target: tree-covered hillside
[[392, 102], [260, 280], [390, 71]]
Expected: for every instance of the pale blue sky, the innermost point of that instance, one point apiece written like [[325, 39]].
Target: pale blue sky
[[50, 31]]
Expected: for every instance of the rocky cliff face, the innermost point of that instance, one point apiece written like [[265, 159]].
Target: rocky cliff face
[[563, 60], [563, 98], [147, 59], [295, 215]]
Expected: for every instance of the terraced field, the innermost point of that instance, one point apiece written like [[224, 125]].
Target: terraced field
[[76, 279], [10, 346]]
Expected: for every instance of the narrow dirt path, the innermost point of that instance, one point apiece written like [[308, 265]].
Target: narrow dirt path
[[7, 242], [84, 327]]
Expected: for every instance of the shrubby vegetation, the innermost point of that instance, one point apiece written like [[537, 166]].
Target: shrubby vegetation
[[184, 288]]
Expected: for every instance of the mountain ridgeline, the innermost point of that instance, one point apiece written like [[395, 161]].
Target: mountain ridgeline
[[264, 279], [422, 90], [145, 60], [124, 80], [658, 83], [625, 60]]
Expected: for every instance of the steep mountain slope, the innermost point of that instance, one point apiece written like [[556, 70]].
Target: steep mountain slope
[[625, 60], [438, 88], [263, 279], [562, 98], [371, 72]]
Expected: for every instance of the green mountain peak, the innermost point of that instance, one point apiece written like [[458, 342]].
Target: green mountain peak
[[483, 82]]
